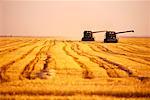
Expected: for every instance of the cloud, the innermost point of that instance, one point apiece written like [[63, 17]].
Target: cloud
[[71, 18]]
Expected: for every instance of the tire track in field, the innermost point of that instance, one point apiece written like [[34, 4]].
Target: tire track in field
[[4, 68], [102, 63], [104, 49], [107, 64], [131, 48], [47, 71], [147, 45], [30, 67], [50, 60], [15, 43], [31, 71], [119, 47], [6, 43], [16, 48], [118, 66], [113, 63], [12, 43], [134, 54], [87, 74]]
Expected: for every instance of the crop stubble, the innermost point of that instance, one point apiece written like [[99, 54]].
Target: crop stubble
[[74, 69]]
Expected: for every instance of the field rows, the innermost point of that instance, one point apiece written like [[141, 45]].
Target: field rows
[[42, 67]]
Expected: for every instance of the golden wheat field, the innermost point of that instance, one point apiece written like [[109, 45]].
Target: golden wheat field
[[44, 68]]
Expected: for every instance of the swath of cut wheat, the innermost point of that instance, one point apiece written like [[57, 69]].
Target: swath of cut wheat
[[45, 68]]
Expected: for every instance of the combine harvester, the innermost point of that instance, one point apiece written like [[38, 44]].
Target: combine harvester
[[110, 36]]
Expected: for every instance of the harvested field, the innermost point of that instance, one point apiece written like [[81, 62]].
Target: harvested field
[[44, 68]]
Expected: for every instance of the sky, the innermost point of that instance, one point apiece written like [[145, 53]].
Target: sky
[[69, 19], [1, 18]]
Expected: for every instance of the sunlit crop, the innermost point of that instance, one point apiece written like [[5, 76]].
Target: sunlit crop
[[44, 68]]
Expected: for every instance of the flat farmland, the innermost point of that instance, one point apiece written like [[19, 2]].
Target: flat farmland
[[45, 68]]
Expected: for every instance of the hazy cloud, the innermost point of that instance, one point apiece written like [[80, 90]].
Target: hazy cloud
[[71, 18]]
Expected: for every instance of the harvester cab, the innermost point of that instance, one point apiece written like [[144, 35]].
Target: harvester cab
[[110, 36], [88, 35]]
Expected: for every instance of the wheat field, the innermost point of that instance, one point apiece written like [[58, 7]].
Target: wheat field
[[45, 68]]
